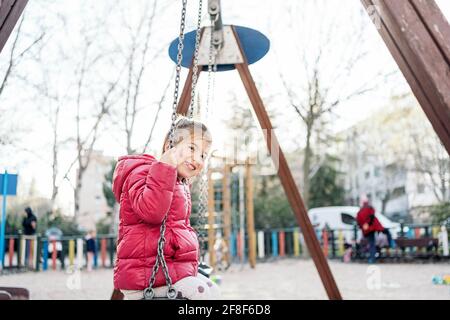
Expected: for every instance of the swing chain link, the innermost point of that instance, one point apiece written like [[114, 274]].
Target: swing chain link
[[160, 259], [203, 198], [178, 73], [212, 66], [195, 66], [202, 210]]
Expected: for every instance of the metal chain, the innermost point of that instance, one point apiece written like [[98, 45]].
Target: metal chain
[[149, 292], [195, 67], [212, 67], [178, 73], [202, 210], [203, 197]]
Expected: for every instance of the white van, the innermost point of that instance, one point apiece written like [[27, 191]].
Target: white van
[[344, 218]]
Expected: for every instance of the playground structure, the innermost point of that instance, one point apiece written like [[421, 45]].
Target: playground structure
[[417, 35]]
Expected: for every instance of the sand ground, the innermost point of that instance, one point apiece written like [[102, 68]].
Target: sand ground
[[281, 279]]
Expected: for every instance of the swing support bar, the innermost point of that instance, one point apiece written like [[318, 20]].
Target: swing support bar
[[418, 37]]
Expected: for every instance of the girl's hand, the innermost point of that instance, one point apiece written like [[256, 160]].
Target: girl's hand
[[170, 157]]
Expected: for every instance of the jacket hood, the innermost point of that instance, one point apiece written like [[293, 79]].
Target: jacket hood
[[124, 166], [29, 212]]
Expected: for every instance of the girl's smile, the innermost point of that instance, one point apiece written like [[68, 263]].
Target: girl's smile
[[190, 165]]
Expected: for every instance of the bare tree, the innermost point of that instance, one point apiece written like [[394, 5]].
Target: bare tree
[[160, 106], [431, 161], [141, 54], [319, 87], [20, 50]]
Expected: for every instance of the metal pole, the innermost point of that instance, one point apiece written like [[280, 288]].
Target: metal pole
[[3, 221]]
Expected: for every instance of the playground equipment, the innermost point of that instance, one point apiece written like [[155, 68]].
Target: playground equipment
[[415, 32], [231, 212], [232, 48], [441, 279]]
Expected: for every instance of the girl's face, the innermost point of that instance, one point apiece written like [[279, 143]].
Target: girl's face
[[191, 154]]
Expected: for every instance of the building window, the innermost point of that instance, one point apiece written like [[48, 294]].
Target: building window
[[421, 188], [398, 192], [377, 171]]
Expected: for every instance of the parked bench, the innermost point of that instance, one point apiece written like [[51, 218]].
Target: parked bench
[[431, 245]]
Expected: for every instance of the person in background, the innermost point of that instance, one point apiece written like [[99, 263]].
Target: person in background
[[29, 224], [91, 248], [370, 225]]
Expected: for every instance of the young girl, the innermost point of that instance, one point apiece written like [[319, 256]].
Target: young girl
[[147, 189]]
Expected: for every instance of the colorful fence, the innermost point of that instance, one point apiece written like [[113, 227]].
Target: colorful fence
[[41, 254], [289, 242]]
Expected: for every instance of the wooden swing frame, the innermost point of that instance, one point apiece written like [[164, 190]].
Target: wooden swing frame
[[417, 35]]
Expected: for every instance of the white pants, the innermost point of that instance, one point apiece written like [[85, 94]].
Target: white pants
[[192, 288]]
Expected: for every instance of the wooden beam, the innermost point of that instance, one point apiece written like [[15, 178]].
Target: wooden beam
[[417, 35], [185, 99], [288, 181], [250, 215], [117, 295], [10, 12]]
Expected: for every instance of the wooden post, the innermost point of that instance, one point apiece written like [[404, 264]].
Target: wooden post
[[211, 216], [11, 250], [10, 12], [250, 215], [296, 239], [325, 241], [71, 252], [54, 253], [226, 201], [282, 243], [288, 181], [417, 35]]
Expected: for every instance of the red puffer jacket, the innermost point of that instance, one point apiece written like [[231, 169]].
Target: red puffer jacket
[[147, 189], [367, 215]]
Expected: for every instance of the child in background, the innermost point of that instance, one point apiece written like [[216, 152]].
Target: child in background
[[91, 248]]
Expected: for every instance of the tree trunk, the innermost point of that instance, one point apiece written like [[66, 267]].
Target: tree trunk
[[307, 165], [77, 192]]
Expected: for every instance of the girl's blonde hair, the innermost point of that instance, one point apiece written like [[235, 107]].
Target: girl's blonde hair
[[185, 127]]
